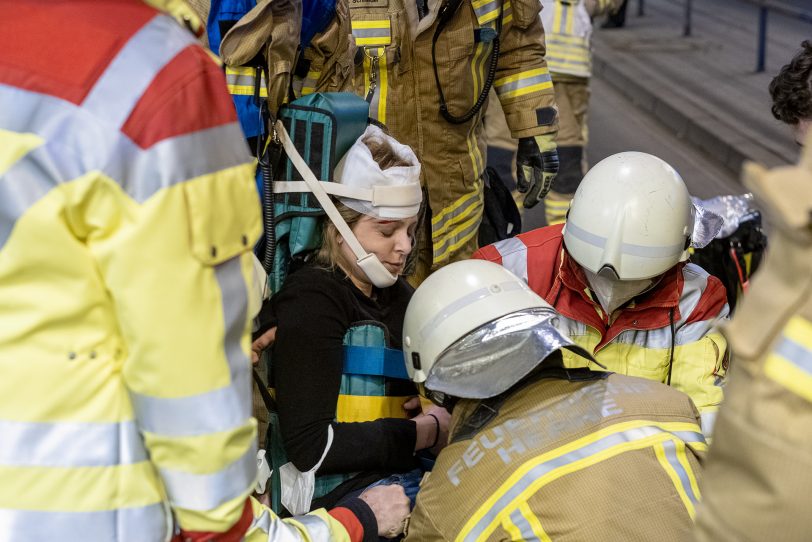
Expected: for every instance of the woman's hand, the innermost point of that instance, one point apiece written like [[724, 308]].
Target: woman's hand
[[263, 341], [432, 429]]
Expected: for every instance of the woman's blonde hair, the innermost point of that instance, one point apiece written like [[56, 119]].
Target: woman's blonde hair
[[329, 255]]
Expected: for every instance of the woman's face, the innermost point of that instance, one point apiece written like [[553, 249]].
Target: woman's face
[[390, 240]]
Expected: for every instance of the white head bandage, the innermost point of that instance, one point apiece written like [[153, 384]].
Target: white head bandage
[[395, 191]]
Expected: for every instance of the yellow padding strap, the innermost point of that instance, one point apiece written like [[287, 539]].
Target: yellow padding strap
[[367, 408]]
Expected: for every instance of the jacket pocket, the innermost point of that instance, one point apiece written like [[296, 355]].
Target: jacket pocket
[[223, 214]]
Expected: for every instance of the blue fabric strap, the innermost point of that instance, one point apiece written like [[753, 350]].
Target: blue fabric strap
[[374, 360]]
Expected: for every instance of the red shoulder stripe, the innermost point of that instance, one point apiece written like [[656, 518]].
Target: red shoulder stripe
[[187, 95], [62, 48]]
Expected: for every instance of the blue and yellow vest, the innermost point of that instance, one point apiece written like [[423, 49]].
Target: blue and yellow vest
[[374, 385]]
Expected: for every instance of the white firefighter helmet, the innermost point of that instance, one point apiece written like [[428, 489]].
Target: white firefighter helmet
[[473, 329], [631, 218]]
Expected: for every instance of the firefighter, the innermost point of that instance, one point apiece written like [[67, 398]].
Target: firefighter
[[426, 68], [127, 217], [617, 273], [760, 465], [537, 451]]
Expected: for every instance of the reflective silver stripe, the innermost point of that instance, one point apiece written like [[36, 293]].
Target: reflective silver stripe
[[441, 249], [523, 83], [482, 11], [603, 444], [514, 256], [696, 281], [142, 173], [440, 227], [552, 60], [671, 456], [24, 184], [76, 144], [70, 444], [372, 32], [316, 527], [280, 531], [708, 421], [640, 251], [208, 491], [222, 409], [238, 79], [524, 527], [149, 523], [465, 302], [118, 90], [795, 353]]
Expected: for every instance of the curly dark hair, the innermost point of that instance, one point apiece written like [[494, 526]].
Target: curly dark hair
[[791, 89]]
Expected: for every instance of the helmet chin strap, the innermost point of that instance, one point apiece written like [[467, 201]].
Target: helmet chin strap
[[371, 266]]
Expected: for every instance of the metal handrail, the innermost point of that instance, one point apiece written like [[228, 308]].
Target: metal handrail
[[764, 7]]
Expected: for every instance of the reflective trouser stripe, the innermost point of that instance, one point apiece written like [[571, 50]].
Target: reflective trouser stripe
[[522, 524], [671, 455], [143, 524], [790, 364], [458, 224], [575, 456], [555, 210]]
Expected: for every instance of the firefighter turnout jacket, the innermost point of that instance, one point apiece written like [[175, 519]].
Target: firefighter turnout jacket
[[760, 466], [396, 72], [666, 335], [127, 217], [589, 456]]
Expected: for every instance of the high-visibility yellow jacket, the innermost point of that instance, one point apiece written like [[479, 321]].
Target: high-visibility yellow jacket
[[760, 464], [127, 216], [668, 335], [568, 29], [612, 458]]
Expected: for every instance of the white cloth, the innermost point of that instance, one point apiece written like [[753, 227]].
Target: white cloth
[[358, 169]]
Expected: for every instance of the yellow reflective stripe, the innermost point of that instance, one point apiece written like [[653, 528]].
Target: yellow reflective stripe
[[659, 451], [570, 20], [632, 435], [383, 86], [241, 70], [376, 24], [790, 364], [372, 33], [527, 90], [442, 232], [79, 489], [531, 521], [367, 408], [682, 457], [458, 237], [574, 40], [519, 76], [174, 452], [309, 84], [215, 520], [558, 9], [245, 90], [14, 146], [442, 217]]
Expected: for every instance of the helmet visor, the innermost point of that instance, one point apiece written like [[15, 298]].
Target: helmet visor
[[497, 355]]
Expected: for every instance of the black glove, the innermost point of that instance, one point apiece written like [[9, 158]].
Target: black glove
[[536, 169]]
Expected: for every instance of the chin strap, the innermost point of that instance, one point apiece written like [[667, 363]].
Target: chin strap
[[369, 263]]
